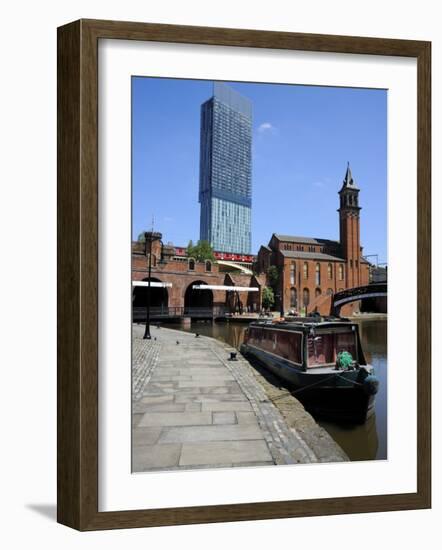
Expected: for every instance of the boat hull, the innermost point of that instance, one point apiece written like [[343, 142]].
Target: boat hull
[[338, 395]]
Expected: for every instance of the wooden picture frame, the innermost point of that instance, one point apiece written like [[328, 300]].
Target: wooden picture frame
[[77, 461]]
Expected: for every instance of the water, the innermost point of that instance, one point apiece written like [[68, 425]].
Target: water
[[361, 442]]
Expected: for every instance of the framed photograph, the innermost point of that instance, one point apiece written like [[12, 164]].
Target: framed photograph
[[244, 288]]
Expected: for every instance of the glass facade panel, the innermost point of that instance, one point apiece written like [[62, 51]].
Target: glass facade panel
[[225, 191]]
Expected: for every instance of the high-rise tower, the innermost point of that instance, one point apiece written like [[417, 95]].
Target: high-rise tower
[[225, 188], [349, 229]]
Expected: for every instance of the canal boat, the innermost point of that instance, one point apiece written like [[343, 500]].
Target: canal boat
[[322, 359]]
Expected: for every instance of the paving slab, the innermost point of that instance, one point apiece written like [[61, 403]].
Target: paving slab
[[161, 407], [226, 433], [157, 399], [224, 418], [194, 406], [175, 419], [155, 456], [245, 417], [202, 383], [146, 436], [226, 406], [216, 452]]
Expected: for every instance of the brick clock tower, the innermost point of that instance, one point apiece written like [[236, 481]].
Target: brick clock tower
[[349, 229]]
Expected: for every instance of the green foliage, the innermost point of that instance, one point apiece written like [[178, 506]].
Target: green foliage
[[268, 297], [201, 251], [273, 276]]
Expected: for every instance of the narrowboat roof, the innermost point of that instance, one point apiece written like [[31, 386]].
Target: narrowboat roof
[[305, 323]]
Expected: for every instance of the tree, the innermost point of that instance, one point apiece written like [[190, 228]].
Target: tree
[[201, 251], [268, 297], [273, 277]]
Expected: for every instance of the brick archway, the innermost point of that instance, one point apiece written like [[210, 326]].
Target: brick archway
[[196, 298], [159, 296]]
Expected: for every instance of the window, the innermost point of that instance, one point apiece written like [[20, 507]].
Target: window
[[293, 298], [305, 297], [330, 271], [208, 265], [323, 348], [317, 274], [351, 264], [317, 292], [305, 268], [292, 273], [289, 346], [191, 264], [341, 272]]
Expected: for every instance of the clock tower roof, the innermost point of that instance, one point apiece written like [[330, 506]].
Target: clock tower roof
[[349, 182]]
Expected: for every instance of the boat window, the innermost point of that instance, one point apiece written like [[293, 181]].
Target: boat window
[[323, 348], [286, 344]]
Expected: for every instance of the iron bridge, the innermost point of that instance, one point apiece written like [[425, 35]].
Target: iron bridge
[[373, 290]]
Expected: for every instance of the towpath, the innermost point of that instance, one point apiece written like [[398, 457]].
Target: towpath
[[194, 408]]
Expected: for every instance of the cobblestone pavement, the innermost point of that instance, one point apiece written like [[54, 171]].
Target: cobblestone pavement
[[193, 408], [144, 358]]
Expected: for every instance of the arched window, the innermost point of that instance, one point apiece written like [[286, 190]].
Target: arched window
[[341, 272], [191, 264], [208, 265], [305, 270], [292, 273], [317, 292], [305, 297], [330, 271], [293, 298], [351, 264], [317, 274]]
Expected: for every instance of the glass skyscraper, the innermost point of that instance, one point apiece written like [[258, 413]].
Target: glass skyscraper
[[225, 189]]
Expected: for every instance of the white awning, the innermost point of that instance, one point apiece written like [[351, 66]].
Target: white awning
[[152, 284], [227, 288]]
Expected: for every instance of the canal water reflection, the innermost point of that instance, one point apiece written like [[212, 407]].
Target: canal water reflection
[[360, 442]]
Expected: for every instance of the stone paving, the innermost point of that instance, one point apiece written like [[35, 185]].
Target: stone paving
[[193, 408], [144, 358]]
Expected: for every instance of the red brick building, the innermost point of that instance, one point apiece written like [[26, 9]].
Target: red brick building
[[182, 273], [310, 269]]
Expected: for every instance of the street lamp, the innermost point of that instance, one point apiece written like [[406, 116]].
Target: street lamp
[[150, 237], [281, 291]]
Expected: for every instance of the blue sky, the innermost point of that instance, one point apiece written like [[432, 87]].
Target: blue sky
[[303, 137]]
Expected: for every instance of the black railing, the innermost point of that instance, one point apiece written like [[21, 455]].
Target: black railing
[[372, 290], [163, 312]]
